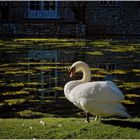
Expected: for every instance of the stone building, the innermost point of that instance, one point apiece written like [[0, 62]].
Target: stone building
[[69, 18]]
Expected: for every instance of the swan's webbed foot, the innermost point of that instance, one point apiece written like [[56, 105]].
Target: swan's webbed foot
[[87, 117]]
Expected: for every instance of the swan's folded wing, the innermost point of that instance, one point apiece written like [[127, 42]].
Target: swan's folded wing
[[98, 92]]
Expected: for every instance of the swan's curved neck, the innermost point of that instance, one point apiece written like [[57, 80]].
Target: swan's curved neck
[[86, 78], [86, 74]]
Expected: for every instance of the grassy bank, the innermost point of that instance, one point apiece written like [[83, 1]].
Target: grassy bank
[[68, 128]]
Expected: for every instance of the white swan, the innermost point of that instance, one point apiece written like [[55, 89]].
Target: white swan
[[101, 98]]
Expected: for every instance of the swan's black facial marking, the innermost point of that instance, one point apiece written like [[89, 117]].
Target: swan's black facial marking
[[72, 71]]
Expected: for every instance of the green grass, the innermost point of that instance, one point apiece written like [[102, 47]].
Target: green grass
[[98, 43], [130, 85], [49, 67], [97, 75], [132, 95], [95, 53], [29, 114], [19, 72], [130, 102], [16, 84], [21, 92], [119, 72], [41, 39], [69, 128], [136, 70], [58, 88], [122, 49], [11, 102]]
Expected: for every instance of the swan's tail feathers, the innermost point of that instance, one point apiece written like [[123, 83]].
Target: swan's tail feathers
[[124, 114], [122, 111], [118, 109]]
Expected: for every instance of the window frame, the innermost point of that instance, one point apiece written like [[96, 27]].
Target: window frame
[[41, 12], [34, 5]]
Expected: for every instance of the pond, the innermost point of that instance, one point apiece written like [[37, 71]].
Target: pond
[[34, 71], [32, 75]]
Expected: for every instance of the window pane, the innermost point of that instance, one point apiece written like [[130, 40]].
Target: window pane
[[49, 5], [53, 5], [46, 5], [32, 5], [38, 7], [35, 5]]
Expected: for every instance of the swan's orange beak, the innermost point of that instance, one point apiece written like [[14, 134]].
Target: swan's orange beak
[[72, 72]]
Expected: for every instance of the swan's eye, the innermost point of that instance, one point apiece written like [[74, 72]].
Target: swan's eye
[[72, 71]]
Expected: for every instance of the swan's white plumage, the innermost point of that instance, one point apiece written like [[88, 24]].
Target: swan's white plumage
[[101, 98]]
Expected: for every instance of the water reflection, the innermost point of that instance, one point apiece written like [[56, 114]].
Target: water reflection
[[43, 77], [29, 78], [37, 70], [31, 68]]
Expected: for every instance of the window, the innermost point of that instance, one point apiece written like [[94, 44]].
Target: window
[[35, 5], [43, 9], [46, 5], [49, 5]]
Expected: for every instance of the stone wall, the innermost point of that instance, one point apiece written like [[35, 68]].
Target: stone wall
[[43, 29], [122, 18]]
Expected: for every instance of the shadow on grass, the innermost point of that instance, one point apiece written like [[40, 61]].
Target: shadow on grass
[[123, 123]]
